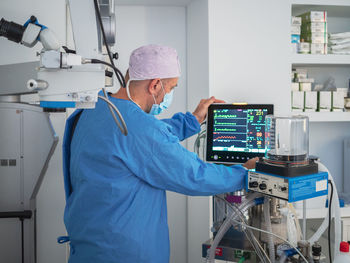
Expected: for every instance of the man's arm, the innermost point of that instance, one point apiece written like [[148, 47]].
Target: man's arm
[[186, 125], [169, 166], [183, 126]]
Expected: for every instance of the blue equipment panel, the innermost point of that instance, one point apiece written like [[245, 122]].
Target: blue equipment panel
[[57, 104], [292, 189]]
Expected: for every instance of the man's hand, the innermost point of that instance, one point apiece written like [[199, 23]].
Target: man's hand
[[251, 163], [202, 109]]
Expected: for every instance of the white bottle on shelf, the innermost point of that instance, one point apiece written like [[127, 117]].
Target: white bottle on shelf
[[344, 255]]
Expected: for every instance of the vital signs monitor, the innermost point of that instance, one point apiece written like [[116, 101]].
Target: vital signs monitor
[[236, 133]]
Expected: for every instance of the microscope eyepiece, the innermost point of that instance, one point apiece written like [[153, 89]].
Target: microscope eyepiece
[[12, 31]]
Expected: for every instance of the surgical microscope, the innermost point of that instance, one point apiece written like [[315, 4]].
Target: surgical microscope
[[63, 78]]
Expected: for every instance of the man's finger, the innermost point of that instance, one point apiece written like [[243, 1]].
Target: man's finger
[[209, 101], [219, 101]]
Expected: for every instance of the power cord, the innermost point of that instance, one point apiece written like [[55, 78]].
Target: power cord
[[119, 75], [330, 221], [121, 124], [97, 61]]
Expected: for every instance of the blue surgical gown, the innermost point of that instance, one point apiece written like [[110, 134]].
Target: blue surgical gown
[[115, 185]]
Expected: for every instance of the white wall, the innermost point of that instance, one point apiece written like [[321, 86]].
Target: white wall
[[198, 87], [140, 25], [248, 51]]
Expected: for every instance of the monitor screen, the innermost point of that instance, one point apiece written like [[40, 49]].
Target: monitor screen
[[236, 133]]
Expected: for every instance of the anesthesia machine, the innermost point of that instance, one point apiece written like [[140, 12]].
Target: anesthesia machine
[[259, 223]]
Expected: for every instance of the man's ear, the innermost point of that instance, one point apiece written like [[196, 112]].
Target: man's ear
[[154, 86]]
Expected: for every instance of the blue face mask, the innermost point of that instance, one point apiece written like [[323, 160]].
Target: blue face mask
[[165, 104]]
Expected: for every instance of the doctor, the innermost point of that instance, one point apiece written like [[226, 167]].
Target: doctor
[[115, 185]]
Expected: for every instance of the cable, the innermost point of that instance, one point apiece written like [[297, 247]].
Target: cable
[[119, 76], [248, 234], [252, 239], [118, 73], [197, 142], [330, 221], [97, 61], [255, 243], [112, 107], [270, 233]]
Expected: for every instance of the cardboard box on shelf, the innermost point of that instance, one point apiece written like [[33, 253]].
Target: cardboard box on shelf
[[305, 86], [304, 48], [296, 30], [295, 86], [347, 104], [314, 16], [345, 91], [297, 100], [320, 49], [296, 20], [305, 80], [337, 101], [324, 100], [310, 101], [300, 75], [314, 37], [314, 27]]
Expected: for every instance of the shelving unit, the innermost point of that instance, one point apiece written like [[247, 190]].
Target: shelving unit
[[309, 60], [327, 116], [321, 2], [324, 66]]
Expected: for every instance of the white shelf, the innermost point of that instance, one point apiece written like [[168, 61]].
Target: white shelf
[[321, 2], [325, 116], [316, 213], [317, 60]]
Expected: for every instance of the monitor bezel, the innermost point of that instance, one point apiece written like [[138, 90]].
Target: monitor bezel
[[224, 156]]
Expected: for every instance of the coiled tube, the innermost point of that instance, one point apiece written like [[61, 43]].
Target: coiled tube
[[267, 218]]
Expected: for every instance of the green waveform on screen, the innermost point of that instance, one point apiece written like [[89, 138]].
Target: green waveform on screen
[[224, 130], [225, 116], [225, 123]]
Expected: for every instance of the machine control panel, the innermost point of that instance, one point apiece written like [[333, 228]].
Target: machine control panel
[[267, 184], [291, 189]]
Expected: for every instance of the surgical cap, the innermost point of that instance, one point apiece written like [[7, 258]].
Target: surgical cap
[[154, 61]]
